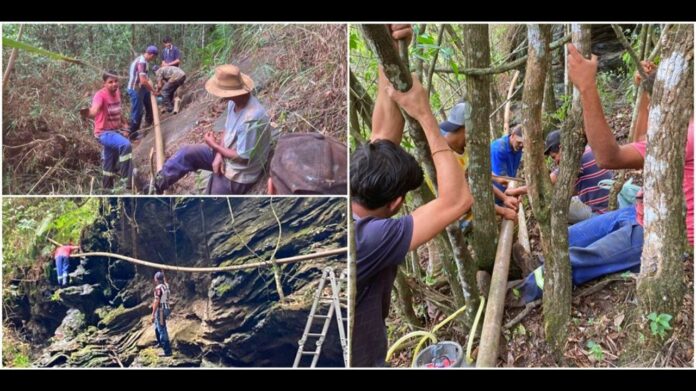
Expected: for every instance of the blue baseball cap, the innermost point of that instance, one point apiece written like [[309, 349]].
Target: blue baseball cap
[[459, 116], [152, 50]]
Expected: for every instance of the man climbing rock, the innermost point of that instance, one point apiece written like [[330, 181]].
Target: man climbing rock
[[160, 312], [62, 257]]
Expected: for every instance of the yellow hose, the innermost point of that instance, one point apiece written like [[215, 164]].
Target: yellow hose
[[424, 334], [472, 333]]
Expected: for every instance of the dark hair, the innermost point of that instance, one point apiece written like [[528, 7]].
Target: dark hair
[[380, 172], [517, 130], [167, 39], [109, 74], [159, 276], [553, 149]]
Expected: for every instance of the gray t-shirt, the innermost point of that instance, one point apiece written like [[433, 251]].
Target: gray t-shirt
[[382, 244], [249, 133]]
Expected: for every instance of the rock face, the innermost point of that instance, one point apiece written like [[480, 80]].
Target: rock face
[[219, 319]]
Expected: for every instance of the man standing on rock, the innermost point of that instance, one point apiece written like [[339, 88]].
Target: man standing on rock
[[160, 312], [62, 256]]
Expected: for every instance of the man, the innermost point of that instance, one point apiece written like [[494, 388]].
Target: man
[[381, 175], [171, 57], [506, 154], [111, 129], [169, 79], [237, 161], [139, 89], [612, 242], [454, 132], [62, 257], [589, 199], [308, 163], [160, 313]]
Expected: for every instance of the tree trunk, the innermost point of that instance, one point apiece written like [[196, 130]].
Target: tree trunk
[[465, 272], [660, 284], [13, 58], [406, 299], [549, 99], [379, 39], [485, 229], [557, 277], [361, 100]]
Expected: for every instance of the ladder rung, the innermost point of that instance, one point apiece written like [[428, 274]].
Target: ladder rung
[[306, 353], [315, 335], [321, 316]]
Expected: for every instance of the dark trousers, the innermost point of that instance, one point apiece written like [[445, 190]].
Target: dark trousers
[[168, 93], [199, 157], [140, 99]]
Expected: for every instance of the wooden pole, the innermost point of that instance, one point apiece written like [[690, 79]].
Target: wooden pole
[[492, 322]]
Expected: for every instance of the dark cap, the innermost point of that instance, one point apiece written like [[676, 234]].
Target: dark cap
[[309, 163], [152, 50], [553, 141], [159, 276]]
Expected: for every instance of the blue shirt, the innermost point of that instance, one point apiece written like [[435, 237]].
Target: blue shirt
[[504, 160], [169, 55]]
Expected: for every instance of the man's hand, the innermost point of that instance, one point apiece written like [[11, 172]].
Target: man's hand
[[506, 213], [414, 101], [401, 31], [513, 192], [501, 181], [581, 71], [648, 68], [209, 138], [218, 166], [511, 202]]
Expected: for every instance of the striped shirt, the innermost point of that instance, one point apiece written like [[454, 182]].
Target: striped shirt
[[137, 67], [587, 185]]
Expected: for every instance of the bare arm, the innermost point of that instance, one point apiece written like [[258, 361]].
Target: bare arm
[[387, 120], [609, 154], [175, 62], [229, 153], [454, 197]]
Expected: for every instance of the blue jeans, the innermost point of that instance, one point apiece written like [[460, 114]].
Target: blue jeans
[[199, 157], [62, 265], [161, 330], [116, 152], [139, 98], [605, 244]]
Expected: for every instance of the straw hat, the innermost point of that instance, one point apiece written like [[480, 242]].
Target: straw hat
[[228, 82]]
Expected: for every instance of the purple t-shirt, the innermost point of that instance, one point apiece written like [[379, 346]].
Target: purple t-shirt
[[382, 244], [587, 185], [169, 55]]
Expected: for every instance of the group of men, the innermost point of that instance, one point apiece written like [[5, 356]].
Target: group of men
[[382, 173], [308, 163]]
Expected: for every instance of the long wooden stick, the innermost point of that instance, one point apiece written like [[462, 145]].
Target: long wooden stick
[[492, 322], [159, 141], [282, 261]]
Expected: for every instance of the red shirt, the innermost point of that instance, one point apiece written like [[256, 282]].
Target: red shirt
[[65, 250], [687, 185], [109, 114]]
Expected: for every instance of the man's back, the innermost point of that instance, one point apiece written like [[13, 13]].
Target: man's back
[[382, 244]]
